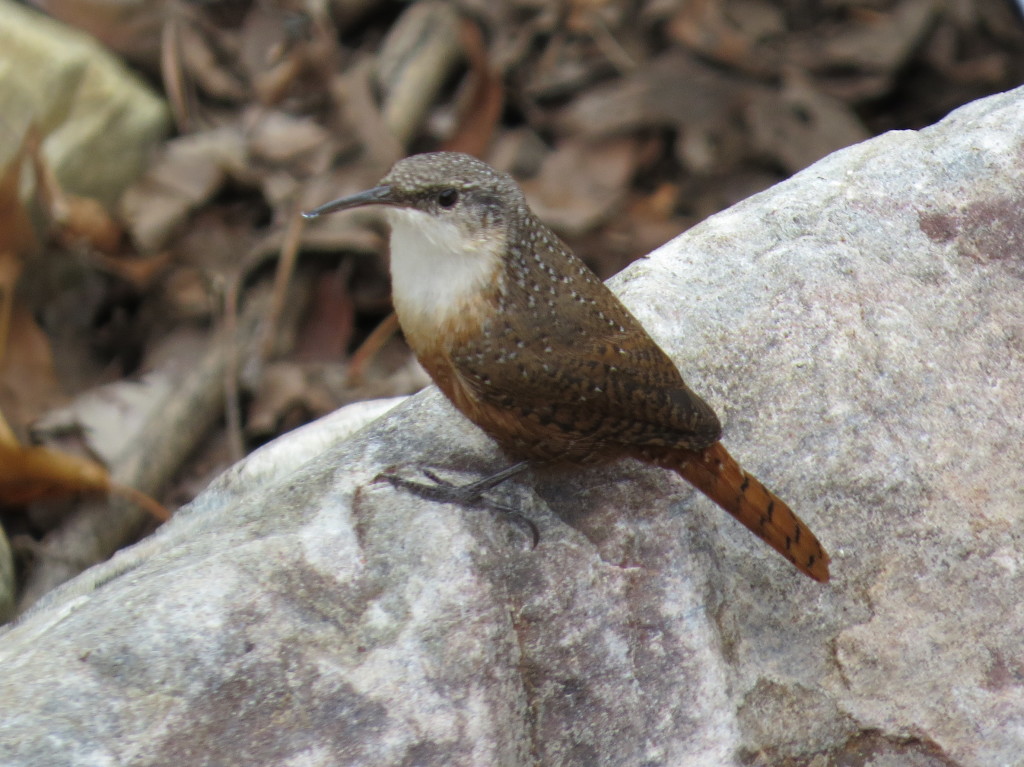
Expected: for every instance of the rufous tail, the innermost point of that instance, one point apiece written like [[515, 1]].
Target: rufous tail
[[716, 474]]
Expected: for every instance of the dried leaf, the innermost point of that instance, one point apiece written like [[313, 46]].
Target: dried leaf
[[28, 381], [17, 235], [479, 117], [10, 270], [292, 393], [76, 219], [801, 125], [36, 473], [206, 56], [581, 182], [87, 221], [675, 91], [882, 43], [140, 273], [192, 169], [285, 396], [31, 473], [704, 26], [327, 330], [417, 56], [282, 139], [130, 29]]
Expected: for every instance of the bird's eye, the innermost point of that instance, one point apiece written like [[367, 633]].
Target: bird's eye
[[447, 198]]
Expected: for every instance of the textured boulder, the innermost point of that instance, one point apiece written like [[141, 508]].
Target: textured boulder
[[859, 328], [98, 121]]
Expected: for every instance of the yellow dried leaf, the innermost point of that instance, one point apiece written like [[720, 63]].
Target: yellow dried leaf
[[30, 473]]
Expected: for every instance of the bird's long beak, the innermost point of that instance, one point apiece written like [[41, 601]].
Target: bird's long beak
[[379, 195]]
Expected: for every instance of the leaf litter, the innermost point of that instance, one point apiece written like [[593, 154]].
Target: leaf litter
[[201, 317]]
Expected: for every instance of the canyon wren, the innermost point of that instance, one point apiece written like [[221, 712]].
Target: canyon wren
[[534, 349]]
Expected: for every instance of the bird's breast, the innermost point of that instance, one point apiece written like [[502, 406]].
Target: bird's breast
[[441, 276]]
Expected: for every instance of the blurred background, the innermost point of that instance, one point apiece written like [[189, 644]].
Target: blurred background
[[164, 308]]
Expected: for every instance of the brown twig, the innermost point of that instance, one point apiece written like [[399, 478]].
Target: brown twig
[[369, 348], [283, 277], [173, 74]]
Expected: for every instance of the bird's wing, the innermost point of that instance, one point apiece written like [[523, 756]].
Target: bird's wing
[[581, 375]]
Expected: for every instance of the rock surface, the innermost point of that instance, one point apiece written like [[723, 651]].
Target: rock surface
[[858, 327]]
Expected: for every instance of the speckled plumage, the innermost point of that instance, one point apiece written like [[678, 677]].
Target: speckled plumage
[[532, 347]]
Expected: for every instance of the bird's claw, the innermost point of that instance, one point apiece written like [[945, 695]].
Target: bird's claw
[[440, 490]]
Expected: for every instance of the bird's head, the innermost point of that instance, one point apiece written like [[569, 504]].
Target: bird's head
[[451, 217]]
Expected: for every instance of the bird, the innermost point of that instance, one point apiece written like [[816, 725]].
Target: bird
[[532, 347]]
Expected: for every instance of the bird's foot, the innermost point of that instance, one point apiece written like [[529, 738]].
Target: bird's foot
[[440, 490]]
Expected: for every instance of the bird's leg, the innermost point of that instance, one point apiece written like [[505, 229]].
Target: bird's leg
[[475, 490], [442, 491]]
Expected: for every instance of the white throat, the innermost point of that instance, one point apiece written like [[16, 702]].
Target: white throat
[[435, 267]]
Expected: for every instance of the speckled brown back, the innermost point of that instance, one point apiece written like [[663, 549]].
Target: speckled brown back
[[564, 368]]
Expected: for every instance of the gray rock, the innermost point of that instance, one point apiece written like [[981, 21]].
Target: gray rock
[[858, 327], [99, 121]]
